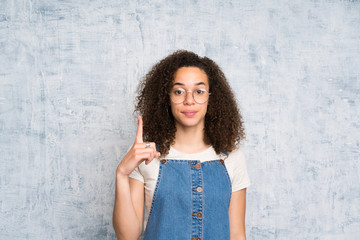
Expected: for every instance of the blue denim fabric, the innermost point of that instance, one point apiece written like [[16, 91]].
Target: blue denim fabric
[[191, 201]]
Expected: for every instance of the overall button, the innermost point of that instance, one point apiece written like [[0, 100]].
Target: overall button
[[163, 161], [197, 238], [197, 166], [198, 189], [221, 161], [199, 214]]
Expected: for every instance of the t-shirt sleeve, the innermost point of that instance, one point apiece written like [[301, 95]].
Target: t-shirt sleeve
[[136, 174], [237, 170]]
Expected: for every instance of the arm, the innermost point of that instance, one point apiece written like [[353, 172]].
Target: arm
[[237, 215], [128, 208], [129, 193]]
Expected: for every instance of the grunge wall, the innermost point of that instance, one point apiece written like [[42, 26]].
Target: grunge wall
[[68, 76]]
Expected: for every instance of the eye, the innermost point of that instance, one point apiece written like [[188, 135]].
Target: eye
[[179, 91], [199, 91]]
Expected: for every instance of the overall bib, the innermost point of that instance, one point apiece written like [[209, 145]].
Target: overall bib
[[191, 201]]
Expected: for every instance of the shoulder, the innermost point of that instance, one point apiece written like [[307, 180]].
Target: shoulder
[[149, 168], [146, 173], [236, 156], [236, 166], [235, 162]]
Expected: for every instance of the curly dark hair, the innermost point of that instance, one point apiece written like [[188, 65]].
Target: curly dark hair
[[223, 122]]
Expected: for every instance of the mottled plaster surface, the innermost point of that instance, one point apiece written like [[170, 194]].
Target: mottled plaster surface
[[68, 75]]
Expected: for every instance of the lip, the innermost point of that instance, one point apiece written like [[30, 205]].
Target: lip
[[189, 113]]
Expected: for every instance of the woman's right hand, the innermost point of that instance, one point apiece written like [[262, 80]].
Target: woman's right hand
[[138, 153]]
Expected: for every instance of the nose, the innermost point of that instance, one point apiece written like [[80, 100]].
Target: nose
[[189, 98]]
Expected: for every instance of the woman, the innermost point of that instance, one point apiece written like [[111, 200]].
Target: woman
[[184, 166]]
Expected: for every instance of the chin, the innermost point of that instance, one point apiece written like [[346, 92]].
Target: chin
[[192, 122]]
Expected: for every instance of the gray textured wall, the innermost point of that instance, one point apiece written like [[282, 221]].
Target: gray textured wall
[[68, 75]]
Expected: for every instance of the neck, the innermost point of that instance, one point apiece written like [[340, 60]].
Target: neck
[[190, 140]]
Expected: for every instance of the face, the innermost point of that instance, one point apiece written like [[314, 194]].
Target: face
[[189, 113]]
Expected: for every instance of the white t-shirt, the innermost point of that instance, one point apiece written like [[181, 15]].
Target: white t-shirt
[[235, 165]]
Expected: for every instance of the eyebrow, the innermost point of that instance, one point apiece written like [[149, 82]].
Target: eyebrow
[[181, 84]]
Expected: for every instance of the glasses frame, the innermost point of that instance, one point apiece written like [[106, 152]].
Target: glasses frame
[[192, 93]]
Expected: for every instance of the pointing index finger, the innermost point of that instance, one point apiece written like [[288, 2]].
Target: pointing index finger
[[139, 132]]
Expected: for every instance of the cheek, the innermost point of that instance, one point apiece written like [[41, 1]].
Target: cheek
[[205, 108], [172, 108]]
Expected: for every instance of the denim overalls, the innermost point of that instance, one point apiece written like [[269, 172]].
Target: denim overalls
[[191, 201]]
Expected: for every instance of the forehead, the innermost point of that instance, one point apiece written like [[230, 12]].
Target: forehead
[[190, 76]]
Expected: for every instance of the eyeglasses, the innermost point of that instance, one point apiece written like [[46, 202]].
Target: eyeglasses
[[178, 95]]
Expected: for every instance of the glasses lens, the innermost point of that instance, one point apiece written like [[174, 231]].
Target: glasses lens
[[178, 95], [201, 95]]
